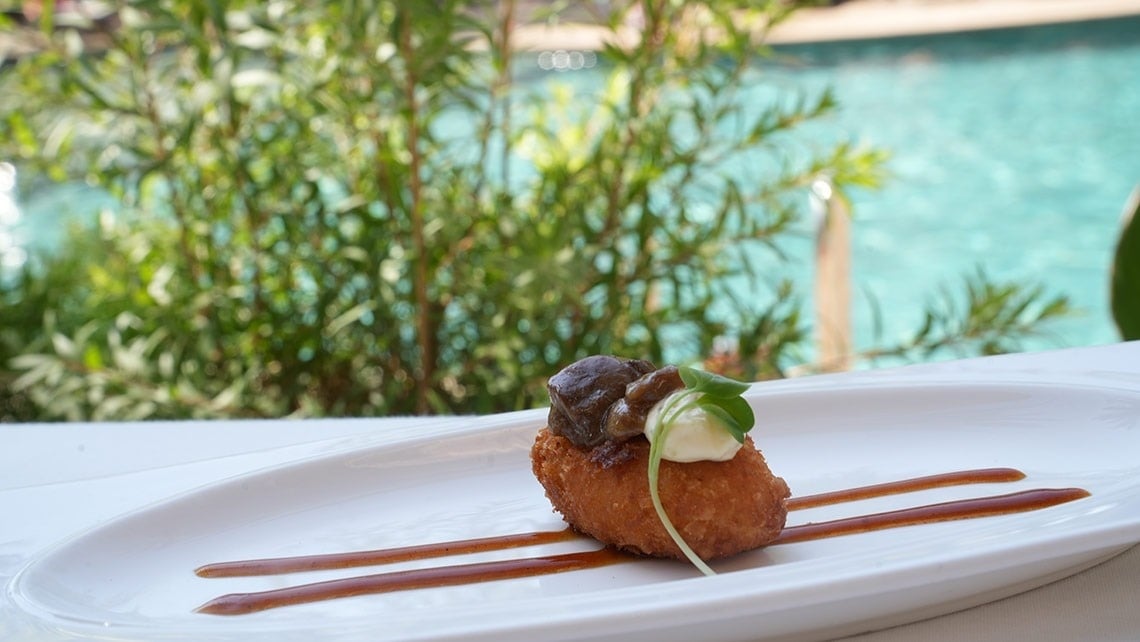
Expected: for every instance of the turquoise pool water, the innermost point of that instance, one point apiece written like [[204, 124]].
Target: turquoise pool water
[[1012, 150]]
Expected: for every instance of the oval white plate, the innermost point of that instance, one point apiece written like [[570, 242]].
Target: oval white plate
[[132, 578]]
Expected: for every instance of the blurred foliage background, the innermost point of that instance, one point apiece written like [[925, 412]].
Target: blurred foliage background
[[357, 208]]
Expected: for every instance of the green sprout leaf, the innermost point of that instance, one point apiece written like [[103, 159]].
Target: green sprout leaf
[[711, 384], [720, 398], [735, 415]]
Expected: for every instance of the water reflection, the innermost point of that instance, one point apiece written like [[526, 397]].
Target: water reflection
[[11, 255], [8, 211]]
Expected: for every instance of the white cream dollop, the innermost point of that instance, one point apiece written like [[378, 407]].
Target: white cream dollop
[[695, 435]]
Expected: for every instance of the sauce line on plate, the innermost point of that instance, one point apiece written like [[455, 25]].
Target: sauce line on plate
[[238, 603], [434, 577], [956, 478], [278, 565], [1020, 502]]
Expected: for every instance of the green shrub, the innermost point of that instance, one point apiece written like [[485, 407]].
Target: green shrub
[[343, 208]]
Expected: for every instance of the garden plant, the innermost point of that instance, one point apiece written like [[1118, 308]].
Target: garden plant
[[342, 208]]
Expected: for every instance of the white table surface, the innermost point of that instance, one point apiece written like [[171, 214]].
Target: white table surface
[[59, 479]]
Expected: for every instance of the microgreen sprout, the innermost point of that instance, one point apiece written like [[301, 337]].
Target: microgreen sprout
[[717, 396]]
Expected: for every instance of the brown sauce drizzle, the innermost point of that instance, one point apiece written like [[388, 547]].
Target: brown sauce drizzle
[[946, 511], [958, 478], [239, 603], [278, 565]]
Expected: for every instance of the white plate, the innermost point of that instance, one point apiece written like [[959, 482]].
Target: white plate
[[132, 578]]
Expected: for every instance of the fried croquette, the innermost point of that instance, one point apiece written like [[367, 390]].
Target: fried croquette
[[719, 508]]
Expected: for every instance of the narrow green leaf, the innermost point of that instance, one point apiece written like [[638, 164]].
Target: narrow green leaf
[[64, 346], [347, 318]]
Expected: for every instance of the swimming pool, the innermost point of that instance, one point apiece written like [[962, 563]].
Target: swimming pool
[[1014, 150]]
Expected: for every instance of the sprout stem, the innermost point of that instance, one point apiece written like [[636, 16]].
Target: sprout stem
[[669, 414]]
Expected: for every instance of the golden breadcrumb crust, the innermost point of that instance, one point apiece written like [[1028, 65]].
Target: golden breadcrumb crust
[[720, 508]]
